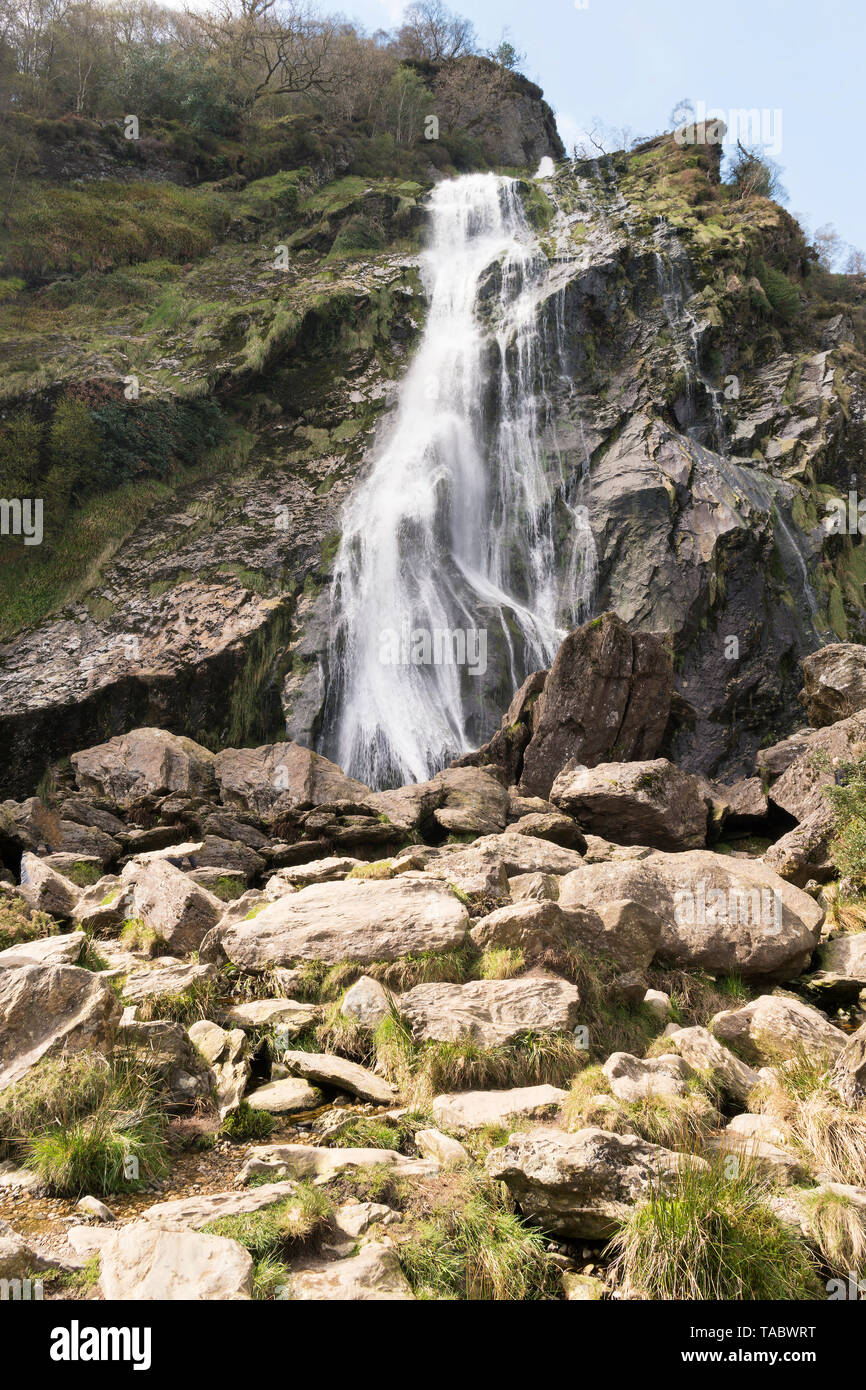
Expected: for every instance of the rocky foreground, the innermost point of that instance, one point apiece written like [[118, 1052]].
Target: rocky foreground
[[265, 1032]]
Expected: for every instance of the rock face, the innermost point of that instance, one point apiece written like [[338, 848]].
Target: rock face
[[802, 765], [772, 1028], [144, 1261], [145, 762], [607, 696], [490, 1012], [834, 683], [582, 1185], [50, 1009], [717, 913], [357, 919], [637, 803]]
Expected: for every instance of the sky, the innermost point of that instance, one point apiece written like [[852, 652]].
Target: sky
[[629, 63]]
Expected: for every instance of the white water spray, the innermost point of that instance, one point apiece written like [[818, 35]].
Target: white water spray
[[457, 525]]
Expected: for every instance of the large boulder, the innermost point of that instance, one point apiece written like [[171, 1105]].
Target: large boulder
[[45, 889], [467, 1110], [145, 763], [286, 1096], [834, 683], [774, 1028], [490, 1012], [583, 1185], [706, 1054], [636, 1078], [804, 764], [147, 1261], [50, 1009], [636, 803], [46, 950], [842, 973], [473, 802], [168, 1050], [626, 932], [311, 1162], [718, 913], [520, 854], [172, 904], [804, 852], [281, 777], [607, 696], [358, 919]]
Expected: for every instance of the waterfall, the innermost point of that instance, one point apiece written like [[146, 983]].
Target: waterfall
[[454, 533]]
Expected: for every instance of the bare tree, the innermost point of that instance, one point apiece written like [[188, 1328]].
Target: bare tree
[[273, 48], [855, 262], [431, 31], [828, 244]]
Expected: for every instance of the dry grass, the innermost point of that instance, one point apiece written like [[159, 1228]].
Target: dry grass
[[830, 1135], [838, 1229], [675, 1122]]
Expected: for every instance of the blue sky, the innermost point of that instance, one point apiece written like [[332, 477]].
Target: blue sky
[[629, 62]]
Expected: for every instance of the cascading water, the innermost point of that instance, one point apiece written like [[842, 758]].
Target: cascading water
[[456, 527]]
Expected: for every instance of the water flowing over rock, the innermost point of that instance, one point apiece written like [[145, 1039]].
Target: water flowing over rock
[[432, 551]]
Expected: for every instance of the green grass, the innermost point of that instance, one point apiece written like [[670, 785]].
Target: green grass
[[20, 923], [187, 1006], [470, 1245], [136, 935], [838, 1229], [830, 1136], [78, 1122], [276, 1234], [708, 1236], [371, 1132], [675, 1122], [245, 1125]]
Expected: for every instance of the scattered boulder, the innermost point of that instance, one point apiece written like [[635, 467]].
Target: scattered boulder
[[834, 683], [358, 919], [490, 1012], [804, 852], [582, 1185], [718, 913], [145, 763], [328, 1069], [47, 950], [553, 826], [466, 1110], [225, 1051], [165, 976], [366, 1001], [842, 973], [774, 1028], [285, 1097], [185, 1072], [47, 1009], [635, 1078], [849, 1073], [704, 1053], [45, 889], [441, 1148], [281, 777], [284, 1015], [309, 1162], [780, 1166], [373, 1275], [179, 910], [200, 1209], [144, 1261], [473, 802], [607, 695], [639, 803], [808, 763]]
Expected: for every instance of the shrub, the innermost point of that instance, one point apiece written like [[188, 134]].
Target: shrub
[[245, 1124]]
